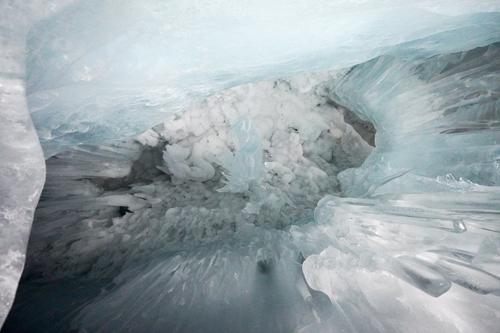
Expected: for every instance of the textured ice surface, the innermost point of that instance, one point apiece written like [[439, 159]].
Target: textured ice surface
[[245, 169], [301, 134], [22, 174], [105, 70], [409, 244], [402, 246], [22, 171], [435, 117]]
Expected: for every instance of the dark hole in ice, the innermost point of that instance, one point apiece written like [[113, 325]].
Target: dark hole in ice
[[122, 210], [363, 127], [265, 266]]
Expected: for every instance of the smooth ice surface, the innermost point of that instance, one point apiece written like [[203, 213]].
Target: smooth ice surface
[[405, 241], [434, 117], [104, 70]]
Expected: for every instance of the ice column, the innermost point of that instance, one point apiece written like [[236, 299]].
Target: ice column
[[245, 168]]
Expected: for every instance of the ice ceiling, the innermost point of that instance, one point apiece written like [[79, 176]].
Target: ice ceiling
[[212, 166]]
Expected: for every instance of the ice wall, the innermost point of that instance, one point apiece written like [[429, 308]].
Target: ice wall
[[22, 175], [109, 69], [22, 168], [426, 198], [105, 70], [434, 117]]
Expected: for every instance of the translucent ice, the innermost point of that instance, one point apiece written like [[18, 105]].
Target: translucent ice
[[100, 71], [22, 173], [245, 168], [433, 117], [337, 236]]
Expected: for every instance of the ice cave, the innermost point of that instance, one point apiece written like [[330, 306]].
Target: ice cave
[[250, 166]]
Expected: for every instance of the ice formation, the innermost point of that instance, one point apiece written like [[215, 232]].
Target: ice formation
[[215, 166], [245, 169]]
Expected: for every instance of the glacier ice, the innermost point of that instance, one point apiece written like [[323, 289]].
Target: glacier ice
[[245, 169], [322, 225], [103, 71], [21, 179]]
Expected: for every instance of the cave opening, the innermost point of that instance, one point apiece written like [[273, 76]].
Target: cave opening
[[260, 199], [107, 207]]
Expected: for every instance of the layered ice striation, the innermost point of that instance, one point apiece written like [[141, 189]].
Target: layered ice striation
[[303, 166], [105, 70]]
